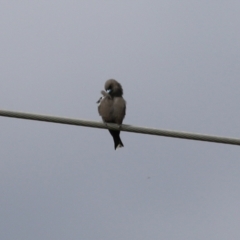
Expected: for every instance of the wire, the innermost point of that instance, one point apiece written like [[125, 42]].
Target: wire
[[124, 127]]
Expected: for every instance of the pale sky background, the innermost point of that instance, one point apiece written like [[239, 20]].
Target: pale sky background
[[179, 65]]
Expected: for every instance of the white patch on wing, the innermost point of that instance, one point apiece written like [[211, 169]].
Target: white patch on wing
[[100, 100]]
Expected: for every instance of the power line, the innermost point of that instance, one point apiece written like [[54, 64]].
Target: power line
[[124, 127]]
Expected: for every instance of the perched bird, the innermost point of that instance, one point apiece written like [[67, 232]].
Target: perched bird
[[112, 108]]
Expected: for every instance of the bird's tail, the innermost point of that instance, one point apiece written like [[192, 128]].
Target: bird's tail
[[116, 138]]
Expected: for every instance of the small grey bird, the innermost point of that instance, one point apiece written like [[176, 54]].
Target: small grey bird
[[112, 108]]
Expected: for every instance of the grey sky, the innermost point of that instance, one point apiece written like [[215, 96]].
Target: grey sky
[[179, 65]]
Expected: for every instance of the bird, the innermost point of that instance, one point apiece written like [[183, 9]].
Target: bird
[[112, 108]]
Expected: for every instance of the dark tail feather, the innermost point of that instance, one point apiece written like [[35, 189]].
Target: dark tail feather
[[117, 140]]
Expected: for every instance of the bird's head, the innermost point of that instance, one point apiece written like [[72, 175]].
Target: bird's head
[[113, 88]]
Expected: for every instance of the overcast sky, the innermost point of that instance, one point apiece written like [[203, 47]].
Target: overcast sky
[[179, 65]]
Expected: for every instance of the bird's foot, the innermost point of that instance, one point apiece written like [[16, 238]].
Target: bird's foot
[[105, 123]]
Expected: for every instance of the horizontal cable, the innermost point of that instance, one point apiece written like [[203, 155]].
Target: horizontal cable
[[124, 127]]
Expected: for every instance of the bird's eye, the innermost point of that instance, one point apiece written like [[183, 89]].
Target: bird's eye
[[109, 90]]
